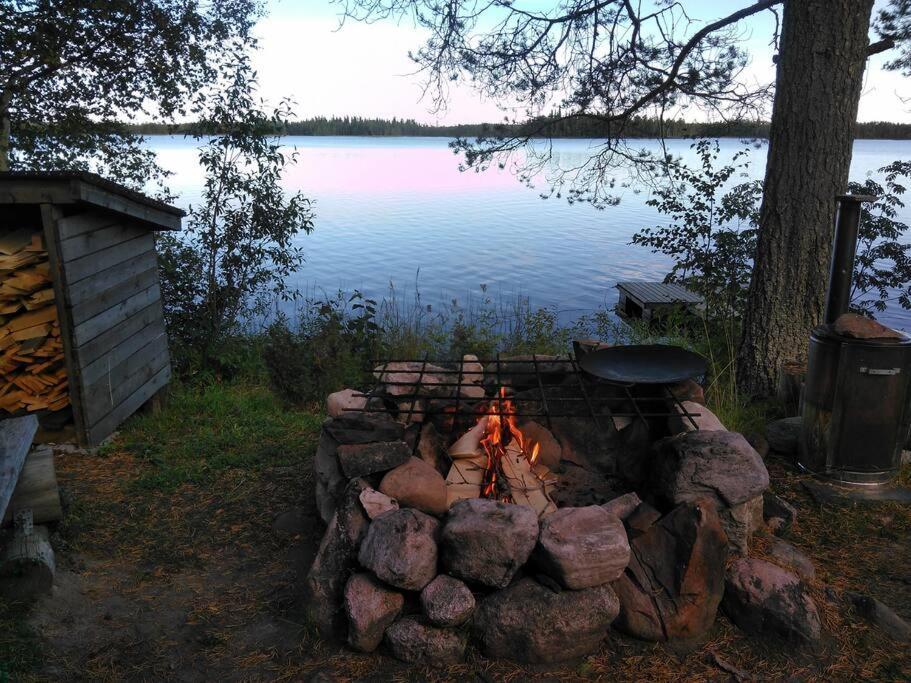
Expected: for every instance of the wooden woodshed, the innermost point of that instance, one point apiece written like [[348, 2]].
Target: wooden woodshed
[[81, 320]]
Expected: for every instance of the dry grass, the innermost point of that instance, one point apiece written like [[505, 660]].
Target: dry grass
[[171, 570]]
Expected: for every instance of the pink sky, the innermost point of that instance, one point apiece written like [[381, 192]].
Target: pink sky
[[364, 70]]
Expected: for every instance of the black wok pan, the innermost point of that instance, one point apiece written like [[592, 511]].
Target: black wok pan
[[643, 364]]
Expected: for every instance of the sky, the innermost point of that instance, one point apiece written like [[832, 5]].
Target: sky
[[364, 69]]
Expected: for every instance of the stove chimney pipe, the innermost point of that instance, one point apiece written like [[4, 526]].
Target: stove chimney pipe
[[847, 221]]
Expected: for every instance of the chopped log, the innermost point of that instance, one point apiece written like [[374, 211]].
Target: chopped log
[[32, 360], [469, 444], [791, 377], [15, 440], [465, 479], [37, 489], [524, 485], [27, 564]]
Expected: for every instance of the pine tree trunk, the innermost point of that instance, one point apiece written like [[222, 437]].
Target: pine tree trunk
[[5, 129], [820, 73]]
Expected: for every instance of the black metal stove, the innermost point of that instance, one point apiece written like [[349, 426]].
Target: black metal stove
[[855, 408]]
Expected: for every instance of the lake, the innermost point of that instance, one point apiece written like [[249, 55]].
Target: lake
[[397, 210]]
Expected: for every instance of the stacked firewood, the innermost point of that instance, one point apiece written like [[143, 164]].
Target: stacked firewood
[[32, 362]]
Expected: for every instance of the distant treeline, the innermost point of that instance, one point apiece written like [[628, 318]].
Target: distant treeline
[[578, 127]]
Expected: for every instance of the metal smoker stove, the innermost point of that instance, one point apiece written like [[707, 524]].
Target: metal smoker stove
[[856, 400]]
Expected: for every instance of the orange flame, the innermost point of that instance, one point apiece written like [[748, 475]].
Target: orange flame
[[502, 429]]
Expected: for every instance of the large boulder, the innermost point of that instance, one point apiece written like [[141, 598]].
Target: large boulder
[[416, 484], [401, 549], [529, 623], [362, 459], [371, 607], [414, 640], [582, 547], [335, 560], [721, 465], [762, 598], [447, 601], [675, 579], [486, 541]]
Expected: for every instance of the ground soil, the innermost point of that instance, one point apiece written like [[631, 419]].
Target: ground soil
[[195, 584]]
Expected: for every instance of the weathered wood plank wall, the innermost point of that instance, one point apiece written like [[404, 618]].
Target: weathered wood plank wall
[[112, 313]]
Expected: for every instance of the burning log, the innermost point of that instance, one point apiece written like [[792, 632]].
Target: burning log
[[494, 460], [525, 487]]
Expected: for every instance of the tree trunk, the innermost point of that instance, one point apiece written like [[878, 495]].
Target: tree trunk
[[5, 129], [820, 72]]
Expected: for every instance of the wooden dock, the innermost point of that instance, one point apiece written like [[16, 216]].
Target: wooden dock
[[650, 301]]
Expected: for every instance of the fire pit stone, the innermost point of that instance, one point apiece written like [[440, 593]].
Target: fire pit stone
[[675, 579], [447, 601], [412, 639], [359, 460], [486, 541], [401, 548], [371, 607], [582, 547], [416, 484], [623, 506], [529, 623], [721, 465], [514, 487]]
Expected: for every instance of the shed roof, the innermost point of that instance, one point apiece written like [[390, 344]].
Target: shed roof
[[659, 293], [73, 187]]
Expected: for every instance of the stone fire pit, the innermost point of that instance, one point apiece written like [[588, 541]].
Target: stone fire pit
[[630, 523]]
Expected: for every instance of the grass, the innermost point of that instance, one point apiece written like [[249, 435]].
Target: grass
[[235, 426], [176, 569], [20, 649]]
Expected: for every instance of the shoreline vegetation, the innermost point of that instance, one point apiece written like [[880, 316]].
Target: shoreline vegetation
[[637, 128]]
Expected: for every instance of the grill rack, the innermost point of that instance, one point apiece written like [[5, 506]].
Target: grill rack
[[508, 367]]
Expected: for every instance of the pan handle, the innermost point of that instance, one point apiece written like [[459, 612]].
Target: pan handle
[[583, 347]]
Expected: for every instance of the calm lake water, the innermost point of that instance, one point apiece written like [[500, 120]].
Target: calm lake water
[[397, 210]]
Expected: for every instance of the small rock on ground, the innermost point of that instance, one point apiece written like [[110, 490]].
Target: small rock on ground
[[778, 513], [881, 616], [784, 435], [764, 599]]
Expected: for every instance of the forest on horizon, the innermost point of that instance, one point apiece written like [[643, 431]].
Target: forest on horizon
[[543, 127]]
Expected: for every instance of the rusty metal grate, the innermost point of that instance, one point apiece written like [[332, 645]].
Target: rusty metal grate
[[643, 406]]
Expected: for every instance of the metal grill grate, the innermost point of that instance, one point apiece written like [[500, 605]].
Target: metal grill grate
[[576, 384]]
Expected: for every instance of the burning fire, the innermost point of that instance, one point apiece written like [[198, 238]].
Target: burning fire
[[504, 443]]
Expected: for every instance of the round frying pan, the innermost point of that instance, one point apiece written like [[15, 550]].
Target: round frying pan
[[643, 364]]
